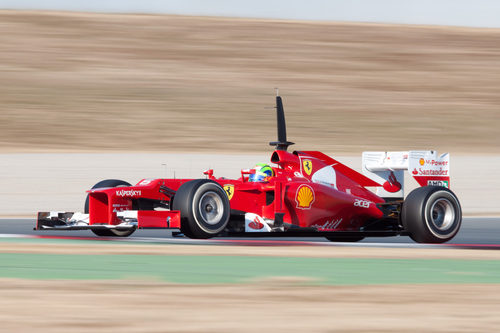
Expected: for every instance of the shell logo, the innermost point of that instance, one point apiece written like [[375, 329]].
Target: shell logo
[[421, 161], [304, 197], [307, 166]]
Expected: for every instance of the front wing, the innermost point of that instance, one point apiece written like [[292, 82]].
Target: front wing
[[131, 219]]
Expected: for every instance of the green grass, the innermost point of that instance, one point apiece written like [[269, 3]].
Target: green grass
[[240, 269]]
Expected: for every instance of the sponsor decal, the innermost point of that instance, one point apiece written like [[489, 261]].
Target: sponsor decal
[[307, 166], [361, 203], [229, 188], [256, 224], [423, 172], [119, 207], [421, 161], [443, 183], [328, 225], [392, 185], [298, 174], [434, 162], [304, 197], [128, 193]]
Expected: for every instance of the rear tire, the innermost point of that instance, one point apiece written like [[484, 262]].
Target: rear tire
[[204, 208], [431, 214], [109, 232]]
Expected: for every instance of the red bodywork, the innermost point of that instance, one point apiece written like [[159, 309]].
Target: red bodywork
[[311, 189]]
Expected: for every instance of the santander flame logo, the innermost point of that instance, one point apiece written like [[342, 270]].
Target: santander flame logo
[[392, 185], [304, 197], [256, 224]]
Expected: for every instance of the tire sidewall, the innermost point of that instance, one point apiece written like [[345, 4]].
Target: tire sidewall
[[186, 200], [416, 214]]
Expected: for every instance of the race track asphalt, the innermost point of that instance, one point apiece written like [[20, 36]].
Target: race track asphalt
[[474, 230]]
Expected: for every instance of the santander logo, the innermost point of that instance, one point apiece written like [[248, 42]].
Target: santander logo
[[422, 172], [392, 185], [256, 224]]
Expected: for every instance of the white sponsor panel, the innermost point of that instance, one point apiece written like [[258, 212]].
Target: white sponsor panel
[[428, 164], [255, 223], [387, 169]]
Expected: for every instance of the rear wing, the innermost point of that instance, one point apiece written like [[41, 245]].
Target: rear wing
[[387, 169]]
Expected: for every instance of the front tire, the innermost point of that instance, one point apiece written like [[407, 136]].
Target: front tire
[[204, 208], [431, 214], [109, 232]]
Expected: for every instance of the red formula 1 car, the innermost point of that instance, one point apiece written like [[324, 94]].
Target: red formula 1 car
[[304, 193]]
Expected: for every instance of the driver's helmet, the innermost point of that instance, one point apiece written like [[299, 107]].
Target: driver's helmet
[[262, 173]]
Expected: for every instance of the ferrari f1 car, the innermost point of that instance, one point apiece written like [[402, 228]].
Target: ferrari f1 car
[[306, 193]]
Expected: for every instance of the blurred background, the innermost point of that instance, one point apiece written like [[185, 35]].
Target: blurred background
[[156, 80], [74, 81]]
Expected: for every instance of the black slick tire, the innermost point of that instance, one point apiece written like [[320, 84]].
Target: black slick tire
[[431, 214], [109, 232], [204, 208]]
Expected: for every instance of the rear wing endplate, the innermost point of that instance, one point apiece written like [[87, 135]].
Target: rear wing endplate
[[387, 169]]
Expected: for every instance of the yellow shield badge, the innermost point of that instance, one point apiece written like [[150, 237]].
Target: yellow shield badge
[[304, 197], [307, 166], [229, 188]]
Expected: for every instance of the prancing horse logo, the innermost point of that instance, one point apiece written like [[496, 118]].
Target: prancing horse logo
[[307, 166], [229, 188]]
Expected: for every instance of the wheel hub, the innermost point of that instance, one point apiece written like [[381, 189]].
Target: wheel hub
[[211, 208], [442, 214]]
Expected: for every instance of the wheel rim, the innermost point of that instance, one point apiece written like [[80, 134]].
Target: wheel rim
[[211, 208], [442, 214]]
